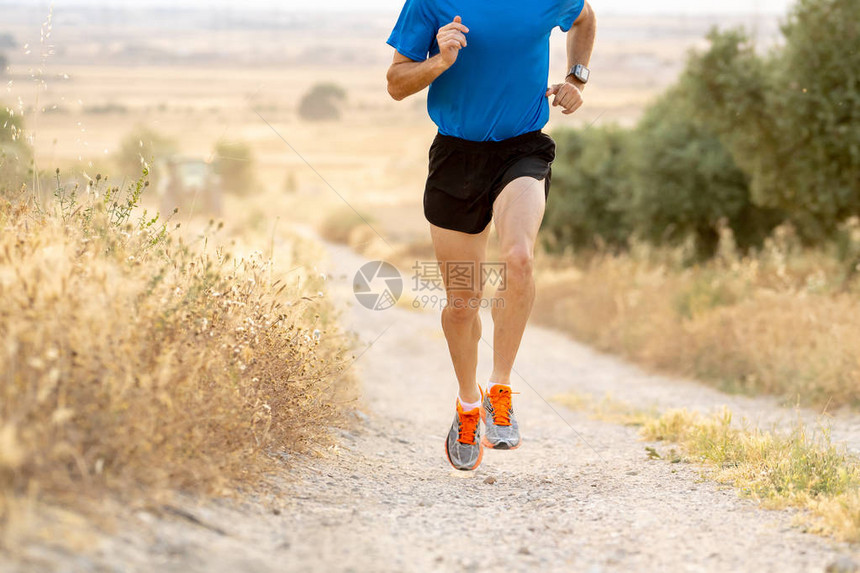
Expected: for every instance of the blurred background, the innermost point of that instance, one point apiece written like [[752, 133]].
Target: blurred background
[[92, 81], [716, 161]]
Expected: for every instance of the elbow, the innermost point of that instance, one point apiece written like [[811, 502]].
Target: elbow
[[393, 89], [394, 93]]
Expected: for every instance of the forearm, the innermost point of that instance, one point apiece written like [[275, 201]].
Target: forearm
[[580, 41], [407, 78]]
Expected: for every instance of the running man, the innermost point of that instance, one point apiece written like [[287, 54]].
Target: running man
[[487, 65]]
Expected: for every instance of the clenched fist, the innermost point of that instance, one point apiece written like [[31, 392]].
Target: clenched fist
[[567, 95], [451, 38]]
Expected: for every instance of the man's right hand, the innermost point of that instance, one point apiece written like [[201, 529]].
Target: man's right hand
[[407, 76], [451, 38]]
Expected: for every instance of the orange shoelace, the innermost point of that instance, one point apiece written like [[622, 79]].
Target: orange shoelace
[[500, 398], [468, 424]]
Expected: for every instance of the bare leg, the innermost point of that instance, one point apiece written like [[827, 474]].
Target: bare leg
[[460, 320], [518, 212]]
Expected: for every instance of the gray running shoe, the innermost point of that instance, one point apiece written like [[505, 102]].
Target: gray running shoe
[[502, 430], [463, 444]]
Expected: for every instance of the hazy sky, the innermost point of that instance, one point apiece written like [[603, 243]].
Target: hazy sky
[[606, 6]]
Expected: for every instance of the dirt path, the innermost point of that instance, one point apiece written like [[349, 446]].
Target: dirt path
[[580, 495]]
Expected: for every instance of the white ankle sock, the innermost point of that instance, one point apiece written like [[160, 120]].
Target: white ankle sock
[[468, 406]]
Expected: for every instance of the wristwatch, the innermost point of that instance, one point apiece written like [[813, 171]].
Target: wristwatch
[[580, 72]]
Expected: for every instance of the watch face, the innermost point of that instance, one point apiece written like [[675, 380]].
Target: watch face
[[583, 74]]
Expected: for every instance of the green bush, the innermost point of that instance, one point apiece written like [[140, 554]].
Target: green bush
[[685, 183], [791, 120], [321, 102], [143, 145], [668, 181], [741, 140], [590, 183]]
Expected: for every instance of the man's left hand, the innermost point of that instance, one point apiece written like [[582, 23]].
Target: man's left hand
[[567, 95]]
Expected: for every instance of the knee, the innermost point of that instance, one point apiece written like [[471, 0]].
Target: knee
[[462, 308], [519, 263]]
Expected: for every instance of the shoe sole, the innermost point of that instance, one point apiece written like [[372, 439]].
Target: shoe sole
[[477, 462], [487, 444], [501, 446]]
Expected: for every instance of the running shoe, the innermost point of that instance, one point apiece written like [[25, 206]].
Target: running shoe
[[502, 430], [463, 444]]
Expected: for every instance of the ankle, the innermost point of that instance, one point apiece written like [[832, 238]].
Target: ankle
[[493, 383], [470, 396]]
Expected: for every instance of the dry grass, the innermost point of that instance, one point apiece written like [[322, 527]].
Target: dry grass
[[779, 322], [608, 409], [134, 360], [796, 469], [342, 223]]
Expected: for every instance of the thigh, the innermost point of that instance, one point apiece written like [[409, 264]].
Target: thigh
[[518, 212], [459, 256], [455, 195]]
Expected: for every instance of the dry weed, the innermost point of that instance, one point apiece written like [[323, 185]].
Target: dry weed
[[132, 359]]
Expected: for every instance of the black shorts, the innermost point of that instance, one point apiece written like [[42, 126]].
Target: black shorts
[[466, 176]]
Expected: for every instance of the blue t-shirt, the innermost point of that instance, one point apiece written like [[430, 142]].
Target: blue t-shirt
[[496, 88]]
